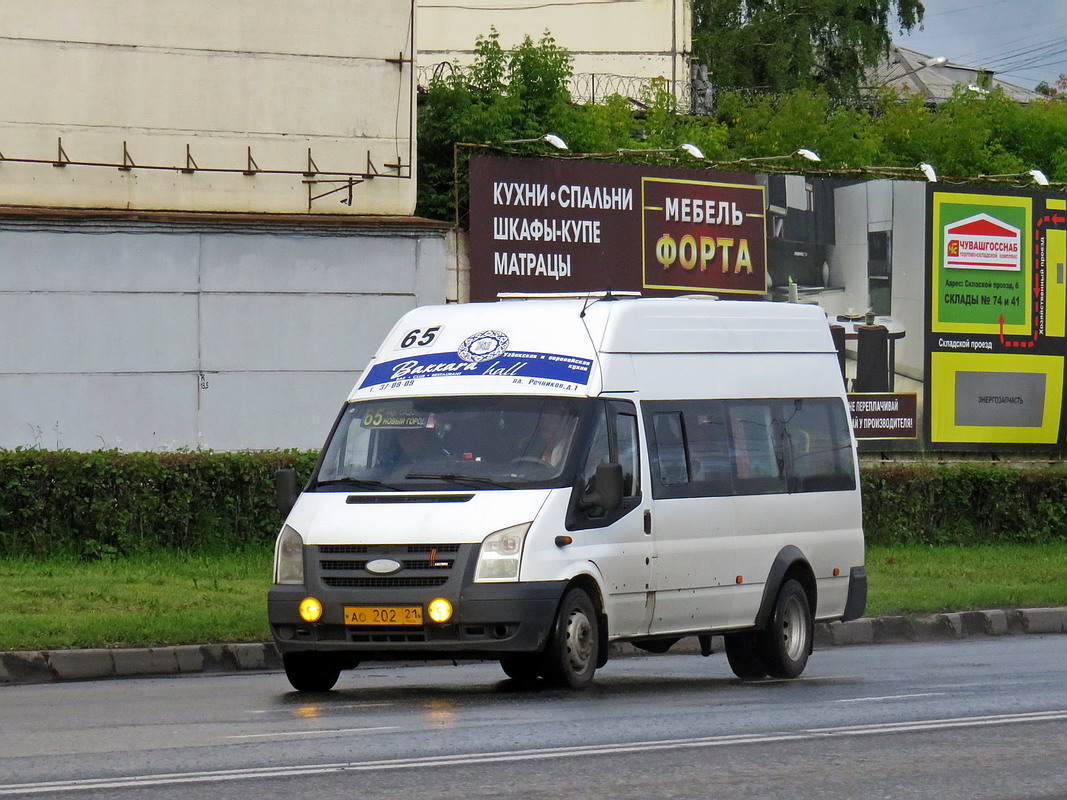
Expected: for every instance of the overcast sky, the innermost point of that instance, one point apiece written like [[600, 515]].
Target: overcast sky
[[1023, 41]]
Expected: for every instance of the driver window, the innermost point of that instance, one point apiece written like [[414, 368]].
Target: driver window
[[599, 453], [626, 441], [616, 442]]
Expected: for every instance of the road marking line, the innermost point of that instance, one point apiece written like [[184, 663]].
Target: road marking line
[[470, 759], [322, 732], [890, 697]]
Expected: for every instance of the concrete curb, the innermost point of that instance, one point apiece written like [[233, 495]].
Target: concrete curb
[[52, 666]]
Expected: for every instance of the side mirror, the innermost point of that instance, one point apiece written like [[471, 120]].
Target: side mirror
[[607, 488], [286, 490]]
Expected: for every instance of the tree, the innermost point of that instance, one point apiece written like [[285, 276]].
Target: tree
[[523, 94], [503, 95], [779, 45]]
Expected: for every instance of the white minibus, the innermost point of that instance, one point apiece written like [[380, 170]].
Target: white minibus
[[534, 479]]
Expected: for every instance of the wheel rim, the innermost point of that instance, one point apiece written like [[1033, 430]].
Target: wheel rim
[[794, 628], [580, 641]]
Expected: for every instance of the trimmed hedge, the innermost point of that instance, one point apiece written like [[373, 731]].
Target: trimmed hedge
[[964, 504], [106, 503]]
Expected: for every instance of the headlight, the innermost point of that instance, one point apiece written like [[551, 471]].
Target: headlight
[[439, 610], [289, 557], [500, 555], [310, 609]]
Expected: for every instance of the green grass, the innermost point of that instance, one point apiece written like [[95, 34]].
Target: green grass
[[182, 599], [926, 579], [168, 598]]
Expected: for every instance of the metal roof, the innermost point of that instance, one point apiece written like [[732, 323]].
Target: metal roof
[[910, 71]]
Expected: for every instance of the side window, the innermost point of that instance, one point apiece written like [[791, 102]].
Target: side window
[[668, 457], [708, 448], [717, 448], [756, 439], [820, 445]]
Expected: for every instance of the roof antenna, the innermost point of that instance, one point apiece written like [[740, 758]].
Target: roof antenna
[[591, 298]]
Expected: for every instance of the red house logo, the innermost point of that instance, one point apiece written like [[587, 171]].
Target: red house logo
[[983, 242]]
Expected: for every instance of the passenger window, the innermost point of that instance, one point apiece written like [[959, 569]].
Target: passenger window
[[669, 457], [708, 448], [759, 463], [718, 448], [821, 449]]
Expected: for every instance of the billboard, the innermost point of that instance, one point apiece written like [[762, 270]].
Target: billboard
[[996, 332], [546, 225]]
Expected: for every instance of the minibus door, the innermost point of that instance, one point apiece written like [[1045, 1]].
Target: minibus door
[[618, 541]]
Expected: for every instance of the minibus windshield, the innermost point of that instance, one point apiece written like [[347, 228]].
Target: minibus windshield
[[451, 443]]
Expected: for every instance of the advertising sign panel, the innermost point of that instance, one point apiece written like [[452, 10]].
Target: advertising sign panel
[[701, 236], [996, 342], [552, 225]]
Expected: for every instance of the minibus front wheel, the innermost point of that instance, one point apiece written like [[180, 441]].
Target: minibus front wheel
[[311, 672], [571, 657], [522, 668]]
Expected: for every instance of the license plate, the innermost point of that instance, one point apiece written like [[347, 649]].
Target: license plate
[[383, 615]]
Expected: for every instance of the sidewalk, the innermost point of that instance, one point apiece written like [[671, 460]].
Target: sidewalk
[[50, 666]]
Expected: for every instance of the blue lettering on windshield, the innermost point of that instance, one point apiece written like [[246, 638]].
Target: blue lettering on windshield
[[535, 367]]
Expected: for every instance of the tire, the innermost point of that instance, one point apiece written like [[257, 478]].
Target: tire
[[571, 656], [785, 643], [311, 672], [522, 668], [743, 653]]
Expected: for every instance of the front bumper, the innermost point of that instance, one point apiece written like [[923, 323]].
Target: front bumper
[[489, 620]]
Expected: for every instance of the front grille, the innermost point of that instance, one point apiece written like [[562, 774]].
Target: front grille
[[353, 566], [421, 565], [382, 583]]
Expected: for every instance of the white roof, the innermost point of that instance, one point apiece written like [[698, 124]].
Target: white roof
[[556, 346]]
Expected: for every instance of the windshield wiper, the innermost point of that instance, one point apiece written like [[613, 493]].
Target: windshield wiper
[[356, 483], [457, 478]]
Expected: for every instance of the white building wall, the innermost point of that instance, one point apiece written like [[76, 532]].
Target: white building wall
[[909, 274], [190, 95], [848, 257], [144, 336]]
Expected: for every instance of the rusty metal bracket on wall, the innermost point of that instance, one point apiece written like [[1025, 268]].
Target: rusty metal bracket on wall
[[127, 164], [345, 185]]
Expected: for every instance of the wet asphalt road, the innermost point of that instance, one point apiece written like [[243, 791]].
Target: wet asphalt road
[[968, 719]]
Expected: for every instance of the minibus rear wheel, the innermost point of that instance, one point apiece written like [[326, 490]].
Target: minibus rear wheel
[[742, 651], [311, 672], [571, 656], [786, 641]]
